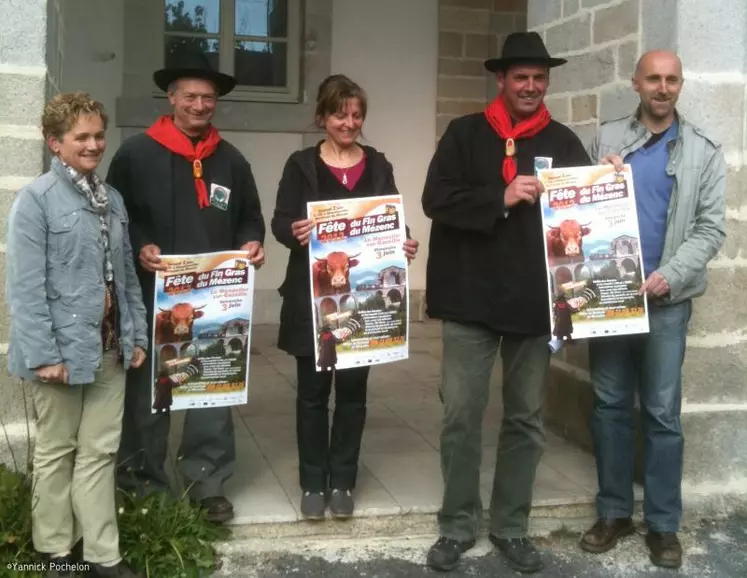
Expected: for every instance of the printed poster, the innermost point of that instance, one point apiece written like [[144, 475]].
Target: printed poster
[[201, 331], [359, 282], [592, 251]]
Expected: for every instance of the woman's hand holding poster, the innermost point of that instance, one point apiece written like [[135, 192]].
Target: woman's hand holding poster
[[592, 251], [359, 282]]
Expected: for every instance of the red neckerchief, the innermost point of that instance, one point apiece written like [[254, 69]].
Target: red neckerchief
[[165, 132], [500, 119]]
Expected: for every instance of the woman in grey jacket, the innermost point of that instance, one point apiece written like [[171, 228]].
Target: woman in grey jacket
[[77, 322]]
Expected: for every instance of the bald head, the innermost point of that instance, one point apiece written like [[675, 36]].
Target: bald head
[[658, 58], [658, 81]]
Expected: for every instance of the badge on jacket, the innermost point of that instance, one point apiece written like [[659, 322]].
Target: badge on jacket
[[219, 196], [541, 163]]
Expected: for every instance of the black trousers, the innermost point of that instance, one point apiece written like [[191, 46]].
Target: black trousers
[[207, 454], [326, 460]]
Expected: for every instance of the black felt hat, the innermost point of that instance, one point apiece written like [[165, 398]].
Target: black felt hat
[[523, 48], [194, 64]]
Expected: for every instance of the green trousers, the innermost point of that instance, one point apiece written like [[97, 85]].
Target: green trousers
[[468, 358]]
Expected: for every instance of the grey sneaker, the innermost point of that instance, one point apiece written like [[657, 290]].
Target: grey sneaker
[[312, 505], [341, 504]]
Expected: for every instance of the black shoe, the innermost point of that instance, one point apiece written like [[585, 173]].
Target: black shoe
[[77, 551], [119, 570], [60, 567], [217, 509], [665, 549], [312, 505], [341, 504], [446, 552], [520, 554], [603, 535]]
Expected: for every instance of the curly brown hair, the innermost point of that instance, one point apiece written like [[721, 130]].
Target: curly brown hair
[[333, 94], [63, 110]]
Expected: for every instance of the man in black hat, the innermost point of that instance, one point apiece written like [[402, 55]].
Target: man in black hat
[[187, 191], [487, 282]]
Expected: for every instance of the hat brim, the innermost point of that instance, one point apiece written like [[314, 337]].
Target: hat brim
[[224, 83], [500, 64]]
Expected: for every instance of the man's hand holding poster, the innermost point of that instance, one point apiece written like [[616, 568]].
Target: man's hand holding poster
[[592, 251], [359, 282], [201, 331]]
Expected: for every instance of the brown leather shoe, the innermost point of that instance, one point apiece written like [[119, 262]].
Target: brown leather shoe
[[603, 535], [665, 549]]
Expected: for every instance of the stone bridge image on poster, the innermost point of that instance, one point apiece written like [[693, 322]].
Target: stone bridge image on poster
[[390, 284], [620, 261]]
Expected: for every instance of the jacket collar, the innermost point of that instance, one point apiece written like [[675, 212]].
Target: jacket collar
[[82, 202], [635, 124], [306, 160]]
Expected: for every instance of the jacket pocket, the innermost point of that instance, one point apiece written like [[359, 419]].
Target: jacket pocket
[[62, 241]]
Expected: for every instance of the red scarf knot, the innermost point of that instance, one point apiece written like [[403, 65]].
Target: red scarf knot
[[166, 133], [499, 118]]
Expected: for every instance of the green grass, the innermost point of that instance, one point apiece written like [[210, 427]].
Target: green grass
[[162, 536]]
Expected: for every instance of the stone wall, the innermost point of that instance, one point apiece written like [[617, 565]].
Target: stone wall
[[471, 31], [602, 41], [25, 80]]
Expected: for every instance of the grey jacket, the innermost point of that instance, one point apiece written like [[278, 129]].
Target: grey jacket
[[55, 280], [695, 220]]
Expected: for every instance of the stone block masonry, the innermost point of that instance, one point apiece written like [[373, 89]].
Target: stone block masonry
[[602, 40], [24, 77], [470, 31]]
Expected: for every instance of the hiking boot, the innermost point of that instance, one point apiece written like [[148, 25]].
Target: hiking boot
[[341, 504], [312, 505], [217, 509], [119, 570], [665, 549], [603, 535], [520, 553], [446, 552]]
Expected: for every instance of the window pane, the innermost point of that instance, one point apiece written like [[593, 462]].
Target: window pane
[[193, 16], [178, 47], [262, 18], [261, 63]]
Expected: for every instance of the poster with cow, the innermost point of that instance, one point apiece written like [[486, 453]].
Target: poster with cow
[[359, 283], [201, 331], [592, 251]]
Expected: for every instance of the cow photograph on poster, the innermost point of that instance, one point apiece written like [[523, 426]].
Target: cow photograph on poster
[[359, 283], [201, 331], [592, 252]]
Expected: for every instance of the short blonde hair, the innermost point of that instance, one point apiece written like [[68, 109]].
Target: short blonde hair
[[63, 111]]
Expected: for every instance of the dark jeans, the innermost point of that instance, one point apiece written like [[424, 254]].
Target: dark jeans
[[651, 365], [468, 359], [205, 459], [324, 460]]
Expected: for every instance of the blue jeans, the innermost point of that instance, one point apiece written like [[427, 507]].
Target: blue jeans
[[652, 365]]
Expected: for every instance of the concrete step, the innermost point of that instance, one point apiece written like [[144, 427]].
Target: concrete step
[[543, 520]]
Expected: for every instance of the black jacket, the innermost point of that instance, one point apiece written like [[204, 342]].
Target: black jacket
[[484, 267], [306, 179], [159, 192]]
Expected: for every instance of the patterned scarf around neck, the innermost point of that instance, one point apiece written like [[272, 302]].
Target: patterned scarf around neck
[[98, 197]]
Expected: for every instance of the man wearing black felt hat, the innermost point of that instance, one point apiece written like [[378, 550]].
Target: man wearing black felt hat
[[487, 281], [187, 191]]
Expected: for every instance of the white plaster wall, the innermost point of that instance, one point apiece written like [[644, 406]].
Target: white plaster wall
[[267, 153], [94, 57], [390, 48]]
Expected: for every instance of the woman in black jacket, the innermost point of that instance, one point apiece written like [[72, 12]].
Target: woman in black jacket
[[336, 168]]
